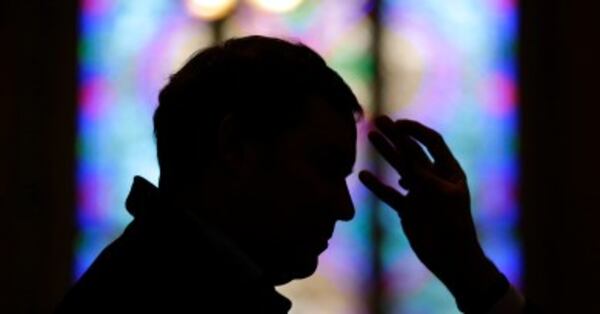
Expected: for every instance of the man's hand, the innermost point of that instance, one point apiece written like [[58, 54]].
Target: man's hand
[[435, 213]]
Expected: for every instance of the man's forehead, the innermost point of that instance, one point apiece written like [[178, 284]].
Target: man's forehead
[[324, 117], [326, 127]]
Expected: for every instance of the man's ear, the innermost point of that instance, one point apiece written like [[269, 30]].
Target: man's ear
[[230, 144]]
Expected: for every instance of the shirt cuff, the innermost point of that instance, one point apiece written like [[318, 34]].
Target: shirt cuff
[[512, 302]]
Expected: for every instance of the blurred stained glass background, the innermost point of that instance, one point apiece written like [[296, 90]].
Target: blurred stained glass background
[[449, 64]]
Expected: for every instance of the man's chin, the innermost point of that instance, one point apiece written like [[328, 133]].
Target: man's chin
[[299, 270]]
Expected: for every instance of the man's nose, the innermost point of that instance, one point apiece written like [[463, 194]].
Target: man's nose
[[344, 208]]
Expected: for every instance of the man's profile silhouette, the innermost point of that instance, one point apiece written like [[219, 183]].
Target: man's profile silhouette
[[255, 138]]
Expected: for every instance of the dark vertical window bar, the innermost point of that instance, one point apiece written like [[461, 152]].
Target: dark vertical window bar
[[217, 30], [376, 293]]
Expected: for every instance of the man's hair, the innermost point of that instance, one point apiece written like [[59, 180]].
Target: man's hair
[[263, 82]]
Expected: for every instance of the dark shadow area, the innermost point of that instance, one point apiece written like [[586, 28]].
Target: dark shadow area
[[559, 67], [37, 153]]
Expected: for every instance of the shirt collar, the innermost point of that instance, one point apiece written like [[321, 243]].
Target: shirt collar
[[144, 198]]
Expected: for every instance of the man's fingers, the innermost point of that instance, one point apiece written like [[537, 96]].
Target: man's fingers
[[408, 169], [402, 142], [415, 165], [434, 143], [385, 192], [389, 153]]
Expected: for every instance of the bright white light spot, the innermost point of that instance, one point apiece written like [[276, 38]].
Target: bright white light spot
[[277, 6], [210, 9]]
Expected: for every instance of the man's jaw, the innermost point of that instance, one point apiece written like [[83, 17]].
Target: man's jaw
[[298, 268]]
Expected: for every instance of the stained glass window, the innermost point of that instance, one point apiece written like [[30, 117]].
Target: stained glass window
[[449, 64]]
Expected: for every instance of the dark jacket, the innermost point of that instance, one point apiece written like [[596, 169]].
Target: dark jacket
[[167, 262]]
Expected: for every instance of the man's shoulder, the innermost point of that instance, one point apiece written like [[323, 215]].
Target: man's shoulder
[[153, 251], [159, 262]]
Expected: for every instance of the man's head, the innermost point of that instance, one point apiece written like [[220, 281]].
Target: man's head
[[266, 131]]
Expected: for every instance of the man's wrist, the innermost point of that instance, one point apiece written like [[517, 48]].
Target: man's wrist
[[478, 286]]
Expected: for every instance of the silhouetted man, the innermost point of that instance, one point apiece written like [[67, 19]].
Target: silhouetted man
[[255, 138]]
